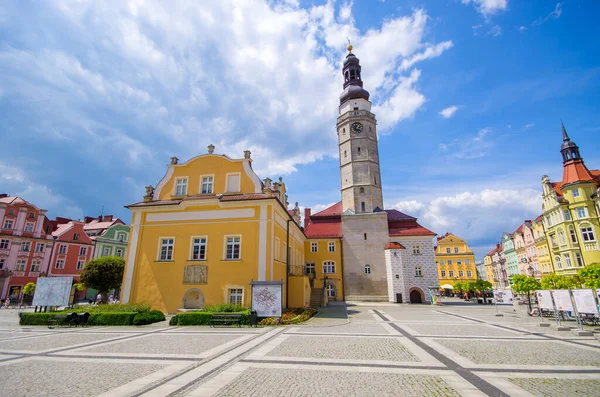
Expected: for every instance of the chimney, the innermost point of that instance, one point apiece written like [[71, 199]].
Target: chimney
[[88, 219], [306, 217], [3, 195], [100, 218], [108, 218]]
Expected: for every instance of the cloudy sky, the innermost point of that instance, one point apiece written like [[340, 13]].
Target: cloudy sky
[[96, 96]]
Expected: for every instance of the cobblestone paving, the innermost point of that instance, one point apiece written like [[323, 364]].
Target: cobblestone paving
[[258, 382], [53, 341], [461, 330], [352, 328], [522, 352], [549, 387], [166, 344], [343, 347], [51, 378]]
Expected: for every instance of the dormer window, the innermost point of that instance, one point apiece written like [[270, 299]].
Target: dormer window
[[181, 186]]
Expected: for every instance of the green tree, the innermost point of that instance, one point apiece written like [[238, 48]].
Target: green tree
[[459, 286], [29, 289], [103, 274], [524, 284], [481, 286], [556, 281], [590, 276]]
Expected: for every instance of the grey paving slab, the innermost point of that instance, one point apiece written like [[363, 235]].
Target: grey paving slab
[[461, 330], [522, 352], [54, 341], [299, 382], [50, 378], [352, 348], [550, 387], [352, 328]]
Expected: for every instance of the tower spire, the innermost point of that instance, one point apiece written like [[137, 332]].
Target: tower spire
[[353, 84], [564, 132], [569, 149]]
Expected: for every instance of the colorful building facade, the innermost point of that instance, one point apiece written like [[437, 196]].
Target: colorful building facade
[[510, 255], [455, 260], [541, 246]]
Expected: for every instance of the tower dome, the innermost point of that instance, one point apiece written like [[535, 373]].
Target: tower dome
[[353, 85]]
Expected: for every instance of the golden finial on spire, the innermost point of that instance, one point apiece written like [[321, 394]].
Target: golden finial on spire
[[349, 45]]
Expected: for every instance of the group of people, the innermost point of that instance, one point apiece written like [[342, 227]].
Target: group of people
[[111, 299]]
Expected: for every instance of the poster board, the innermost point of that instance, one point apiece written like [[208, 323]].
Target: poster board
[[52, 291], [585, 301], [562, 300], [544, 298], [598, 294], [267, 298], [503, 296]]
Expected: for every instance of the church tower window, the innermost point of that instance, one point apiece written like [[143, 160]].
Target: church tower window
[[358, 150], [362, 206], [362, 189]]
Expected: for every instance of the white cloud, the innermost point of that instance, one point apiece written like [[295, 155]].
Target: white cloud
[[402, 103], [488, 7], [522, 28], [429, 52], [555, 14], [529, 125], [470, 148], [449, 111], [16, 182], [476, 215]]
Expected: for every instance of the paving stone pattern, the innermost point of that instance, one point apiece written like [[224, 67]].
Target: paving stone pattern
[[549, 387], [258, 382], [462, 330], [54, 341], [352, 328], [344, 347], [522, 352], [51, 378]]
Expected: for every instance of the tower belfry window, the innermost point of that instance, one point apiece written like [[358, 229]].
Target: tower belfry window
[[345, 154], [352, 74], [362, 189]]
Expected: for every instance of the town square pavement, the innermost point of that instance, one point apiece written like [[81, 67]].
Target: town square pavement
[[455, 349]]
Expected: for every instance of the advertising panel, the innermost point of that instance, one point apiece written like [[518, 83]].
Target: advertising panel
[[266, 298], [503, 296], [52, 291], [544, 298], [585, 301], [562, 300]]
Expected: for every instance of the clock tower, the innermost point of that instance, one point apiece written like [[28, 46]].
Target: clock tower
[[364, 222]]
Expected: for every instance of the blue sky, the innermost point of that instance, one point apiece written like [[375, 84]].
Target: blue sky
[[95, 97]]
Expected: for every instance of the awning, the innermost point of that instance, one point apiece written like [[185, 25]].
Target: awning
[[447, 286]]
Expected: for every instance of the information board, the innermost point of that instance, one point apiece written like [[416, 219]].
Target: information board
[[266, 298], [544, 298], [585, 301], [503, 296], [52, 291], [562, 300]]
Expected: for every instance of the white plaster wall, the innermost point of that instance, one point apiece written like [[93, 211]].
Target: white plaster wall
[[361, 104]]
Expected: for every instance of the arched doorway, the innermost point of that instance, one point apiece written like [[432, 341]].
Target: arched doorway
[[193, 299], [415, 296]]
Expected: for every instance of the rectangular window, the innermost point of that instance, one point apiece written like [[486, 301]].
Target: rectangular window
[[443, 273], [21, 263], [309, 268], [232, 249], [418, 271], [233, 183], [199, 248], [106, 251], [587, 233], [461, 273], [455, 250], [62, 249], [573, 235], [451, 273], [11, 212], [166, 249], [76, 237], [575, 192], [28, 227], [277, 252], [2, 263], [121, 237], [181, 186], [568, 262], [447, 250], [60, 264], [449, 261], [235, 296], [284, 252], [314, 247], [416, 249], [119, 252], [459, 261], [581, 212], [329, 267], [39, 247], [579, 259], [82, 251], [567, 215], [80, 265], [31, 215], [467, 261], [35, 266], [8, 224], [441, 262], [26, 246], [469, 273], [207, 185], [331, 246], [367, 269], [4, 244]]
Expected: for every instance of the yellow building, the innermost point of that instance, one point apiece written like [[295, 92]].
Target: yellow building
[[455, 260], [208, 229], [489, 269], [541, 247], [571, 211]]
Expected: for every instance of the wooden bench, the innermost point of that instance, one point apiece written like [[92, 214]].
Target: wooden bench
[[225, 319], [56, 320]]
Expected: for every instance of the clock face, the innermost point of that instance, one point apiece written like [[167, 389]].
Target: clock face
[[356, 128]]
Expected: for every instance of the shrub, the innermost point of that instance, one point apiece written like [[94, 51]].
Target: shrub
[[109, 318], [174, 320], [225, 308], [156, 315], [38, 318], [201, 318], [117, 307], [143, 319]]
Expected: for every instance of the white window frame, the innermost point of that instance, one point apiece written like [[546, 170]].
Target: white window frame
[[238, 293], [583, 214], [276, 250], [183, 186], [418, 271], [119, 252], [443, 273], [449, 261], [329, 267], [310, 268], [331, 246], [456, 250], [579, 259], [558, 262], [451, 273], [226, 243], [76, 236], [82, 251], [467, 261], [21, 265], [26, 246], [575, 193], [461, 273], [587, 233], [416, 249], [122, 236], [568, 261], [227, 189], [200, 245], [331, 291], [448, 251], [62, 263], [314, 247], [62, 249], [40, 247], [8, 224], [4, 244], [28, 227], [36, 266], [367, 269], [209, 184], [80, 265], [469, 273], [106, 251], [284, 253], [459, 261], [171, 244]]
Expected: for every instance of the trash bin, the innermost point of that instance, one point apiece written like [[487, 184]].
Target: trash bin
[[253, 319]]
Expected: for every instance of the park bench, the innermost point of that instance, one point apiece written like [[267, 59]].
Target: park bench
[[225, 319], [57, 320]]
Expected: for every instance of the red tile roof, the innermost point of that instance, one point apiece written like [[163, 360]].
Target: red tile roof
[[576, 171], [408, 229], [395, 215], [324, 228], [252, 196], [394, 246], [519, 230], [157, 202], [334, 210]]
